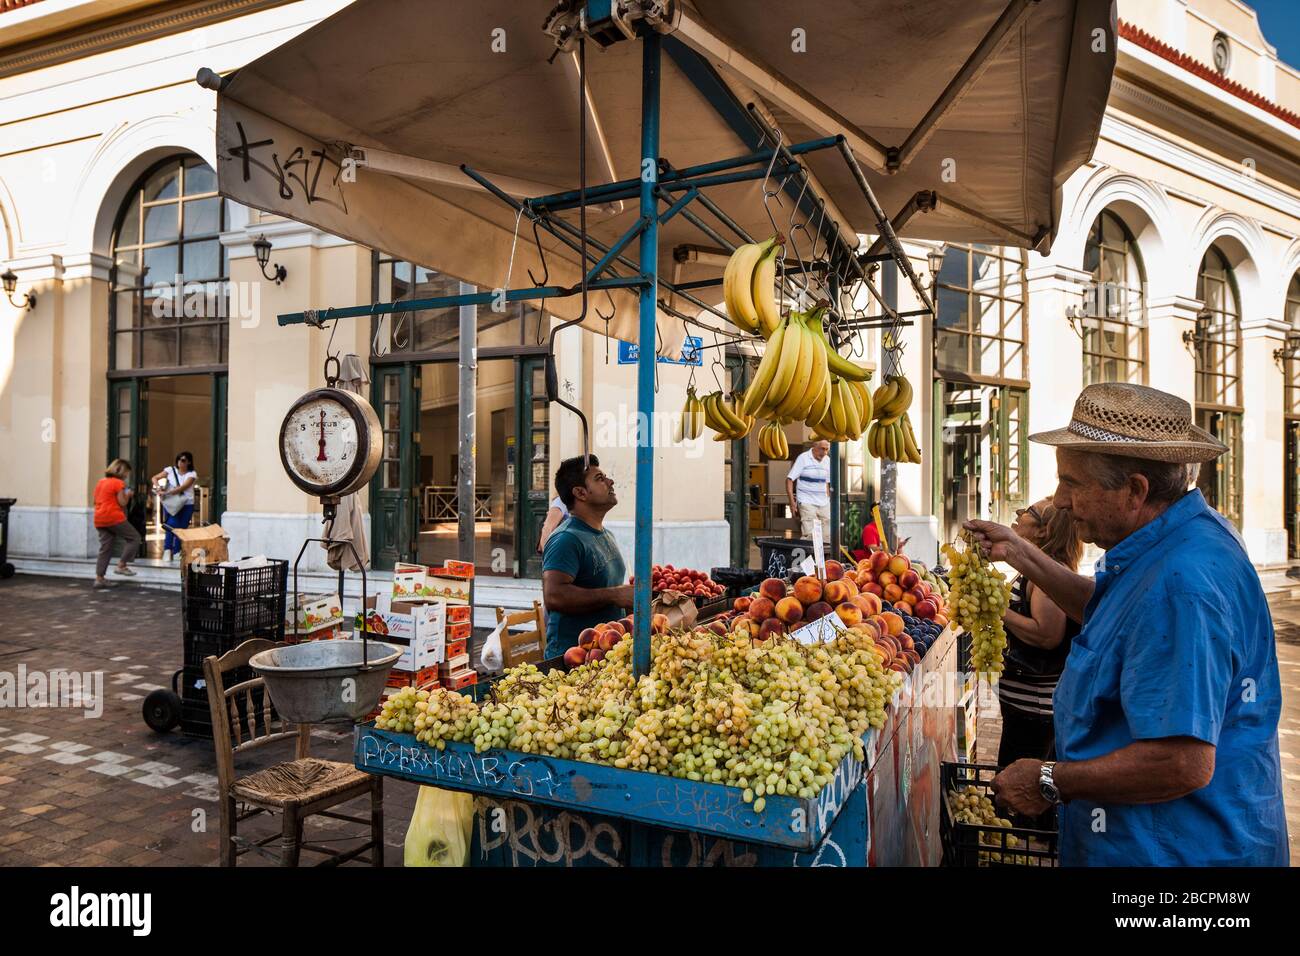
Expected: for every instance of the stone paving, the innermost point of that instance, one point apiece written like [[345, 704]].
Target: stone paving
[[79, 790]]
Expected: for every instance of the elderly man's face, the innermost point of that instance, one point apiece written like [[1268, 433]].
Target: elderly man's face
[[820, 449], [1102, 516]]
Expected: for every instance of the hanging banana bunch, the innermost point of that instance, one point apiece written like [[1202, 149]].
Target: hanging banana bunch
[[847, 414], [771, 441], [725, 419], [740, 279], [690, 424], [890, 436]]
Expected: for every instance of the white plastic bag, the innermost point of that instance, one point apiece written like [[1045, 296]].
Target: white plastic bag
[[490, 657]]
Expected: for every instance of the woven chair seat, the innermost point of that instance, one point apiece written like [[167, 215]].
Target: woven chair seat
[[298, 782]]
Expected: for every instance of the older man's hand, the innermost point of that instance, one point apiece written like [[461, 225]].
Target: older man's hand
[[998, 542], [1016, 788]]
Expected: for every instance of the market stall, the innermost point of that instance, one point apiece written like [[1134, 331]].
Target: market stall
[[740, 134]]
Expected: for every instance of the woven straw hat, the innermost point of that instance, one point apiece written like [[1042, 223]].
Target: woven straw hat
[[1134, 420]]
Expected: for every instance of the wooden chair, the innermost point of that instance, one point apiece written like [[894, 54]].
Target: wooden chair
[[536, 617], [296, 789]]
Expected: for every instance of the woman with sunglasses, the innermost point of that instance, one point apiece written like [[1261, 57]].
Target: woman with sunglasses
[[175, 485], [1038, 639]]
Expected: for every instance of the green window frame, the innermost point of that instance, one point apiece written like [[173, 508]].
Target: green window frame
[[1114, 325]]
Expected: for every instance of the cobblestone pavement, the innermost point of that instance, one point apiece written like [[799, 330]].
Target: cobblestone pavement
[[75, 790], [109, 791]]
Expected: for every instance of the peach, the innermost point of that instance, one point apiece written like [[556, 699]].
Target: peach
[[773, 589], [850, 584], [849, 614], [836, 592], [869, 629], [808, 590], [789, 610], [608, 640], [860, 602], [745, 627], [893, 622], [873, 588], [902, 665], [864, 564], [742, 604], [593, 655], [762, 608], [658, 623], [834, 570], [879, 561], [912, 656], [817, 611], [587, 638], [883, 654], [905, 641], [873, 601], [941, 619], [574, 656], [772, 627], [718, 627], [617, 627], [909, 579], [864, 578], [899, 563], [886, 578], [916, 594], [627, 624]]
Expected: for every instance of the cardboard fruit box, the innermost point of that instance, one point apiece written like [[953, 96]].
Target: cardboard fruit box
[[460, 614], [455, 569], [459, 632], [208, 544], [419, 629], [460, 680], [314, 611]]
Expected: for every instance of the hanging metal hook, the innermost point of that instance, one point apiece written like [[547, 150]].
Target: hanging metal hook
[[541, 254]]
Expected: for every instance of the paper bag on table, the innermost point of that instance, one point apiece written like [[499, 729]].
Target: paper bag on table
[[679, 608]]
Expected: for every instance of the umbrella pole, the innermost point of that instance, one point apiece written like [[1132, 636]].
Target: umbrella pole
[[645, 367]]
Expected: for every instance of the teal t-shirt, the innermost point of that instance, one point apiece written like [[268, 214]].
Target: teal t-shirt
[[593, 558]]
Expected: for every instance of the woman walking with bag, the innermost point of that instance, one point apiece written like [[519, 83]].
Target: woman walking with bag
[[175, 485], [112, 495]]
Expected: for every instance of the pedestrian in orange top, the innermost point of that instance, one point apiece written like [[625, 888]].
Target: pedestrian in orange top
[[112, 494]]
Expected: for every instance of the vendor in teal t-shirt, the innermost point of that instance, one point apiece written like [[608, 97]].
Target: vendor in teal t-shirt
[[583, 575]]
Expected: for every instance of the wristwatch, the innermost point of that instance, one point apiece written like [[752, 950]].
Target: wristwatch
[[1046, 785]]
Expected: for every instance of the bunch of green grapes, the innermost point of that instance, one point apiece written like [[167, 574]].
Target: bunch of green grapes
[[972, 806], [442, 715], [978, 599], [399, 711]]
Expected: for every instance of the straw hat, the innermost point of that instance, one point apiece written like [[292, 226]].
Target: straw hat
[[1134, 420]]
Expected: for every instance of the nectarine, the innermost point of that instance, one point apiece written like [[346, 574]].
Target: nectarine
[[899, 563], [608, 640], [849, 583], [789, 610], [588, 637], [872, 587], [879, 561], [770, 628], [892, 593], [742, 603], [773, 589], [836, 592], [893, 622], [761, 608], [849, 614], [574, 656], [593, 655], [886, 578], [834, 570], [816, 611], [908, 579], [876, 605]]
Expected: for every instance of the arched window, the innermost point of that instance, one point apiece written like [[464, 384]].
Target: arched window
[[1218, 351], [1292, 318], [1114, 324], [169, 306], [1218, 381]]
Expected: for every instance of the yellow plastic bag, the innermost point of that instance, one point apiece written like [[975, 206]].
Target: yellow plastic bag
[[440, 829]]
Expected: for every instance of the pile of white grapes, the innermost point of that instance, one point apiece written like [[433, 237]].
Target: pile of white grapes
[[772, 718], [970, 805], [978, 599]]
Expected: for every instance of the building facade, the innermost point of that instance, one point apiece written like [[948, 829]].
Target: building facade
[[153, 327]]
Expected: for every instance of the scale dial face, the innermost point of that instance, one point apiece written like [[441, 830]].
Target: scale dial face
[[330, 442]]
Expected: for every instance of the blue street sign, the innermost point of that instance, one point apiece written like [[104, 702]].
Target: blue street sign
[[691, 354]]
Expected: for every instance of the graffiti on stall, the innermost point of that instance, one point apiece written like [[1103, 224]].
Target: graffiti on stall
[[531, 778], [697, 849], [535, 835], [836, 793], [828, 854], [704, 806], [300, 167]]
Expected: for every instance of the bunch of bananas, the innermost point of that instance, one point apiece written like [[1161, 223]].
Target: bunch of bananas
[[749, 287], [793, 379], [848, 414], [725, 419], [771, 441], [890, 435], [690, 424]]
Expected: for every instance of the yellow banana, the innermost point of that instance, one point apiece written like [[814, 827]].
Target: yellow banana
[[872, 432], [852, 426], [821, 408], [738, 283], [711, 417], [792, 355], [821, 371], [735, 425], [757, 391], [863, 395], [884, 393], [835, 361], [909, 442], [763, 291], [821, 432], [838, 419], [900, 401]]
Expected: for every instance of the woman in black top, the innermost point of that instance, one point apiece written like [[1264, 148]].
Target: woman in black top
[[1038, 640]]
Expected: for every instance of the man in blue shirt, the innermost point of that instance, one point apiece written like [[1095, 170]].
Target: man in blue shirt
[[1167, 713], [583, 574]]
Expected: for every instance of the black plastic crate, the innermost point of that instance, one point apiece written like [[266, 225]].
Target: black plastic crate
[[965, 648], [779, 556], [239, 602], [196, 714], [969, 844], [197, 646]]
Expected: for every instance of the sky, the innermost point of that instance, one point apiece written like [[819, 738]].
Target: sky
[[1280, 20]]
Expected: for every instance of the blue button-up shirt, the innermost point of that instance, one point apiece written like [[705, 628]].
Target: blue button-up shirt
[[1177, 642]]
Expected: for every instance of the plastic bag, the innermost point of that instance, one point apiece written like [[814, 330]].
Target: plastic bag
[[490, 657], [439, 834]]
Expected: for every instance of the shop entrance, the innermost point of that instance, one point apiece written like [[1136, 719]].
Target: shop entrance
[[152, 419], [1220, 480], [1292, 485], [414, 497], [985, 449]]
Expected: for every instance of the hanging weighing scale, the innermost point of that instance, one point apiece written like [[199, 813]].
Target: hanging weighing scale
[[330, 446]]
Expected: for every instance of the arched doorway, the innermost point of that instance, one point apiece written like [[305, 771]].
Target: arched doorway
[[168, 328], [1114, 326], [1218, 380]]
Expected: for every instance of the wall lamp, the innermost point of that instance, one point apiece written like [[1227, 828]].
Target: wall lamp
[[10, 282], [1197, 336], [934, 258], [1289, 351], [262, 248]]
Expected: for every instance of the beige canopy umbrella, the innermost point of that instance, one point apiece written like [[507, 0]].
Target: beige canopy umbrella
[[964, 116]]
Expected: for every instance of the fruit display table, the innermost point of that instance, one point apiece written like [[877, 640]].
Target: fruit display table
[[532, 810]]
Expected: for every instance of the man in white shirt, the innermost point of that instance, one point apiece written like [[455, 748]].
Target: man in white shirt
[[809, 488]]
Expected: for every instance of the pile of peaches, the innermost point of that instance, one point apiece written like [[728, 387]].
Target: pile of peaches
[[892, 577], [595, 642]]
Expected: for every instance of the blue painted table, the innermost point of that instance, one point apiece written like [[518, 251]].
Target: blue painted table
[[534, 810]]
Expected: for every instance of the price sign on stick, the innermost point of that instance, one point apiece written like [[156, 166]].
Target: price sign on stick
[[819, 550]]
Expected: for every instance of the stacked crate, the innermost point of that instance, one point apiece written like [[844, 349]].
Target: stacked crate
[[223, 607]]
